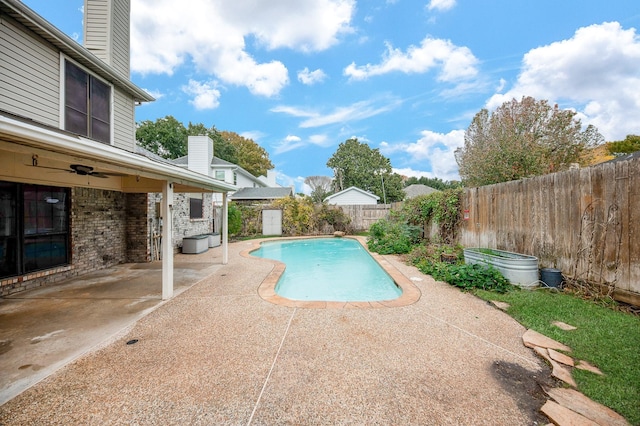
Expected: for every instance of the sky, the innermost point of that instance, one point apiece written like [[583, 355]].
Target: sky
[[299, 77]]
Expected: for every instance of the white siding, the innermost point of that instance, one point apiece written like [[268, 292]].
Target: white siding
[[107, 31], [200, 153], [121, 36], [96, 34], [352, 197], [124, 127], [244, 182], [29, 75]]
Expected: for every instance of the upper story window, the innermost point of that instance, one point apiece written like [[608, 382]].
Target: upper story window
[[87, 104], [220, 174]]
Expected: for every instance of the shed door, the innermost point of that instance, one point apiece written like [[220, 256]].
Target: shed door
[[271, 222]]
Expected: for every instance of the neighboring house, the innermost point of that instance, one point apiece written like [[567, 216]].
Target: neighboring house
[[416, 190], [352, 196], [73, 190], [265, 195], [201, 213]]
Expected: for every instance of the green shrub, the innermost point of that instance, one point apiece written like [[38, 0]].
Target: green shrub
[[436, 253], [234, 217], [442, 208], [332, 216], [387, 237], [297, 215], [465, 276]]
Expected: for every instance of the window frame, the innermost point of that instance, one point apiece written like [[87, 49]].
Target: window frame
[[196, 206], [40, 240], [96, 110]]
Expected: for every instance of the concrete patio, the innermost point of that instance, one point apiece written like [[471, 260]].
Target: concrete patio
[[218, 353]]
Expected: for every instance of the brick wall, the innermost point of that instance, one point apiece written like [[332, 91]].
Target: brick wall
[[109, 228], [98, 232], [137, 228], [103, 224], [183, 225]]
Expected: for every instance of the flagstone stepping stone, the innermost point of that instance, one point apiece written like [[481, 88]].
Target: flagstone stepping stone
[[557, 370], [532, 339], [579, 403], [562, 416], [563, 373], [584, 365], [561, 358], [564, 326]]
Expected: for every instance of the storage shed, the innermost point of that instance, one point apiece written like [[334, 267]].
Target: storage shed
[[352, 196]]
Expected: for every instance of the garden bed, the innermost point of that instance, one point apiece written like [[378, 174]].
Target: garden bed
[[519, 269]]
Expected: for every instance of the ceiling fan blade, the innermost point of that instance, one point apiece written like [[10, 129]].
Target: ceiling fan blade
[[98, 175], [81, 169]]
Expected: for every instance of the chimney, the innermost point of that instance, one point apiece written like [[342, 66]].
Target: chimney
[[107, 32], [270, 179], [200, 154]]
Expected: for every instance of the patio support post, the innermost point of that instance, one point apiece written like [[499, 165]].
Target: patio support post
[[225, 229], [167, 246]]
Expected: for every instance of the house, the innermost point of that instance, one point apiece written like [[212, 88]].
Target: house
[[416, 190], [73, 189], [265, 195], [202, 213], [352, 196]]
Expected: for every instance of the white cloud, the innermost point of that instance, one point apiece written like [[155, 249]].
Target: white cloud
[[304, 25], [296, 182], [254, 135], [293, 111], [455, 63], [212, 36], [354, 112], [157, 94], [441, 4], [436, 149], [594, 72], [311, 77], [205, 94], [320, 140], [410, 172], [292, 142]]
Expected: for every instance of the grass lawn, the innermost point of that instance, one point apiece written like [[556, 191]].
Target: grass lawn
[[605, 338]]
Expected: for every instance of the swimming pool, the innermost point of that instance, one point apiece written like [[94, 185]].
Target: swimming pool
[[328, 269]]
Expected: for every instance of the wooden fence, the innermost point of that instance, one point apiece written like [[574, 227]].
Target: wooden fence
[[585, 222], [363, 216]]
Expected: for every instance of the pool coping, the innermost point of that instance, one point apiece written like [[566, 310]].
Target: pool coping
[[267, 289]]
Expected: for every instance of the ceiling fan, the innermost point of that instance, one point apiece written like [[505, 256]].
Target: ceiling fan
[[81, 170]]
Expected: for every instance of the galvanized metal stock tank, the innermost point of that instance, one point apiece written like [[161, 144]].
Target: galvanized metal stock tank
[[519, 269]]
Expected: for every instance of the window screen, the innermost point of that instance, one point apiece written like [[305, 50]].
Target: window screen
[[195, 208]]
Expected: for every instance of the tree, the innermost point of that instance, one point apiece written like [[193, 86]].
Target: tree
[[251, 156], [166, 137], [435, 183], [630, 144], [356, 164], [320, 187], [522, 139]]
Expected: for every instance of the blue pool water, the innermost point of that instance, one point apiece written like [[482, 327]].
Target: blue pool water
[[328, 269]]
